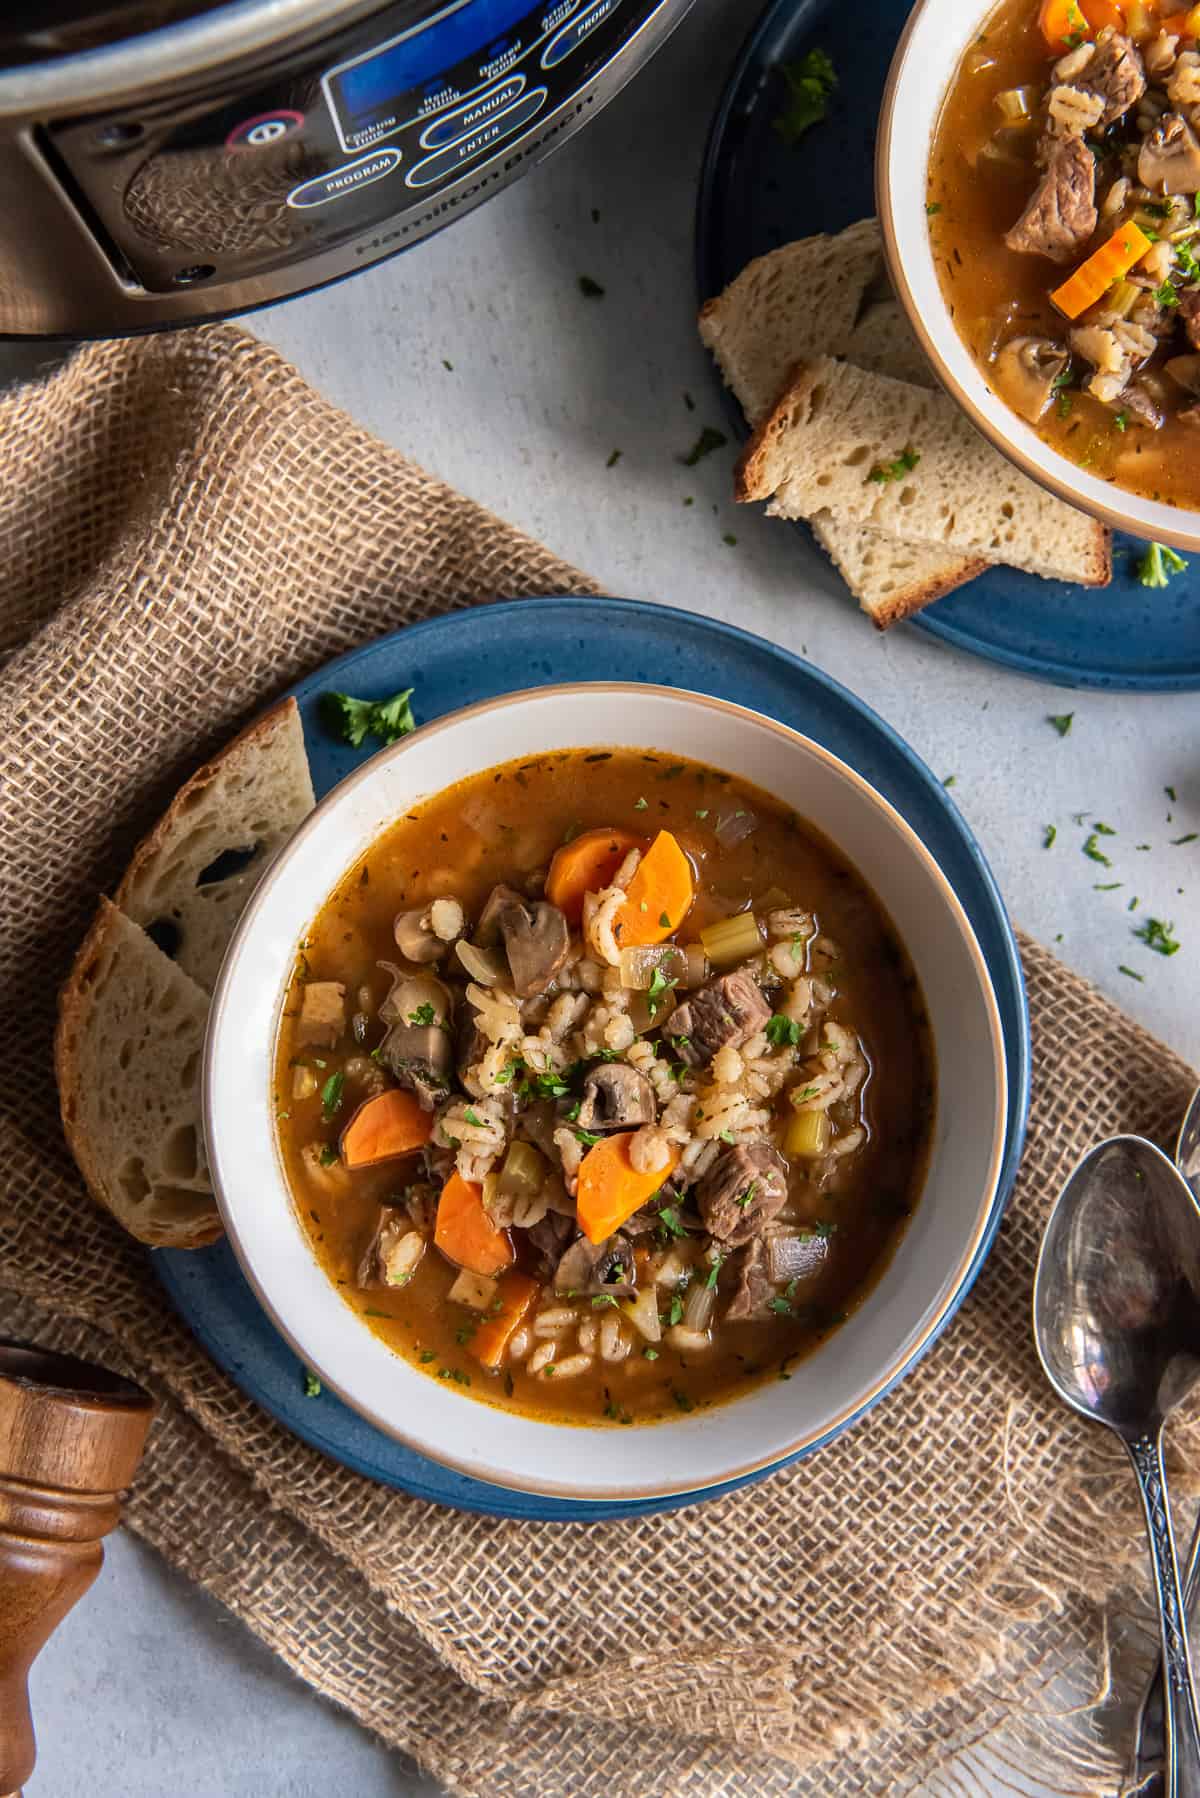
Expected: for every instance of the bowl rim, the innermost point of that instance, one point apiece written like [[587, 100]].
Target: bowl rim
[[1047, 469], [898, 1363]]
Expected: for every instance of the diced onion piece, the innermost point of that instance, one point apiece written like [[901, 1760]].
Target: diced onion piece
[[734, 827], [642, 1313], [483, 965], [808, 1134], [795, 1257], [731, 939], [304, 1083], [646, 1014], [523, 1173], [700, 1303], [639, 965], [1018, 103], [697, 966], [476, 1290]]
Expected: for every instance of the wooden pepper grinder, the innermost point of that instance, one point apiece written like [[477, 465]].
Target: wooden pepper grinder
[[71, 1436]]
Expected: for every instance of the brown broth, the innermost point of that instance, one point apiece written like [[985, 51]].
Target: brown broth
[[498, 826], [993, 293]]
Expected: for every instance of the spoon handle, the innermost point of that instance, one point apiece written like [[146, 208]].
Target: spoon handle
[[1145, 1774], [1182, 1771]]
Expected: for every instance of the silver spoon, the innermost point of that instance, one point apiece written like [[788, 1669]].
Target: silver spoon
[[1116, 1316], [1146, 1773]]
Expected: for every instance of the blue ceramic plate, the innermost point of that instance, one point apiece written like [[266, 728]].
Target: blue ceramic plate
[[757, 193], [470, 656]]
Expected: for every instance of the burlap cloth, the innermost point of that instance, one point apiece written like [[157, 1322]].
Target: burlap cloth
[[184, 529]]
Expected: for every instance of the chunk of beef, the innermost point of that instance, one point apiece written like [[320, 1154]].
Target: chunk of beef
[[726, 1012], [1061, 214], [1114, 70], [547, 1241], [616, 1097], [742, 1191], [322, 1013], [752, 1300], [593, 1268], [1189, 312]]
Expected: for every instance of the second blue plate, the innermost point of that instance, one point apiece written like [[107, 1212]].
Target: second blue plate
[[756, 193], [469, 656]]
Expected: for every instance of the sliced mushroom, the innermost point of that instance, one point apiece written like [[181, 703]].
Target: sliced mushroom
[[616, 1097], [596, 1268], [415, 936], [1026, 371], [536, 941], [1140, 403], [486, 933], [418, 1048], [393, 1252], [1169, 159]]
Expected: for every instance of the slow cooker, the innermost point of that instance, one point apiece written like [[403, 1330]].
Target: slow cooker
[[168, 161]]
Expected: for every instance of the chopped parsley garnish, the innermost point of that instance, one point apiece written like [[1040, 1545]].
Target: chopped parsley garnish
[[604, 1298], [1061, 721], [664, 923], [659, 984], [1166, 295], [615, 457], [1189, 838], [1107, 886], [426, 1356], [355, 719], [424, 1014], [730, 539], [587, 1137], [312, 1386], [1094, 852], [675, 1314], [1157, 936], [640, 805], [810, 83], [1104, 830], [331, 1094], [617, 1415], [1171, 795], [747, 1198], [905, 462], [650, 1354], [1158, 565], [682, 1399], [572, 1112], [668, 1217], [781, 1031], [1120, 421], [708, 441], [704, 813], [591, 290], [1122, 969], [810, 1092], [1051, 833], [713, 1272], [780, 1306], [933, 208], [328, 1155], [951, 780], [725, 1135], [471, 1116]]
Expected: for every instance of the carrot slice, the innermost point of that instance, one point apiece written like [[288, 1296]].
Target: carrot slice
[[516, 1294], [611, 1189], [465, 1233], [585, 865], [660, 895], [1065, 23], [385, 1127], [1094, 277]]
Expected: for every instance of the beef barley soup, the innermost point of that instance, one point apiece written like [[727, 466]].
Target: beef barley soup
[[1064, 224], [603, 1087]]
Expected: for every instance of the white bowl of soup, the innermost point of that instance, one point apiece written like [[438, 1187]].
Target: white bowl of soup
[[1036, 172], [605, 1092]]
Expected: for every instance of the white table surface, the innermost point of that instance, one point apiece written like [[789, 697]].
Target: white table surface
[[149, 1689]]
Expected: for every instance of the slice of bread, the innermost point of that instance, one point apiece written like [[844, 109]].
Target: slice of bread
[[837, 426], [830, 295], [127, 1054], [192, 875]]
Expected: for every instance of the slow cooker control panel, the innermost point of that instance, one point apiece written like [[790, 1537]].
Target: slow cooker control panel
[[388, 129]]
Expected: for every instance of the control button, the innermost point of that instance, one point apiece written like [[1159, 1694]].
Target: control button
[[346, 180], [266, 128], [572, 35], [464, 119], [444, 164]]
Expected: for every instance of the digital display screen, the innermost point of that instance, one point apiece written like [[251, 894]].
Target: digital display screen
[[364, 93]]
